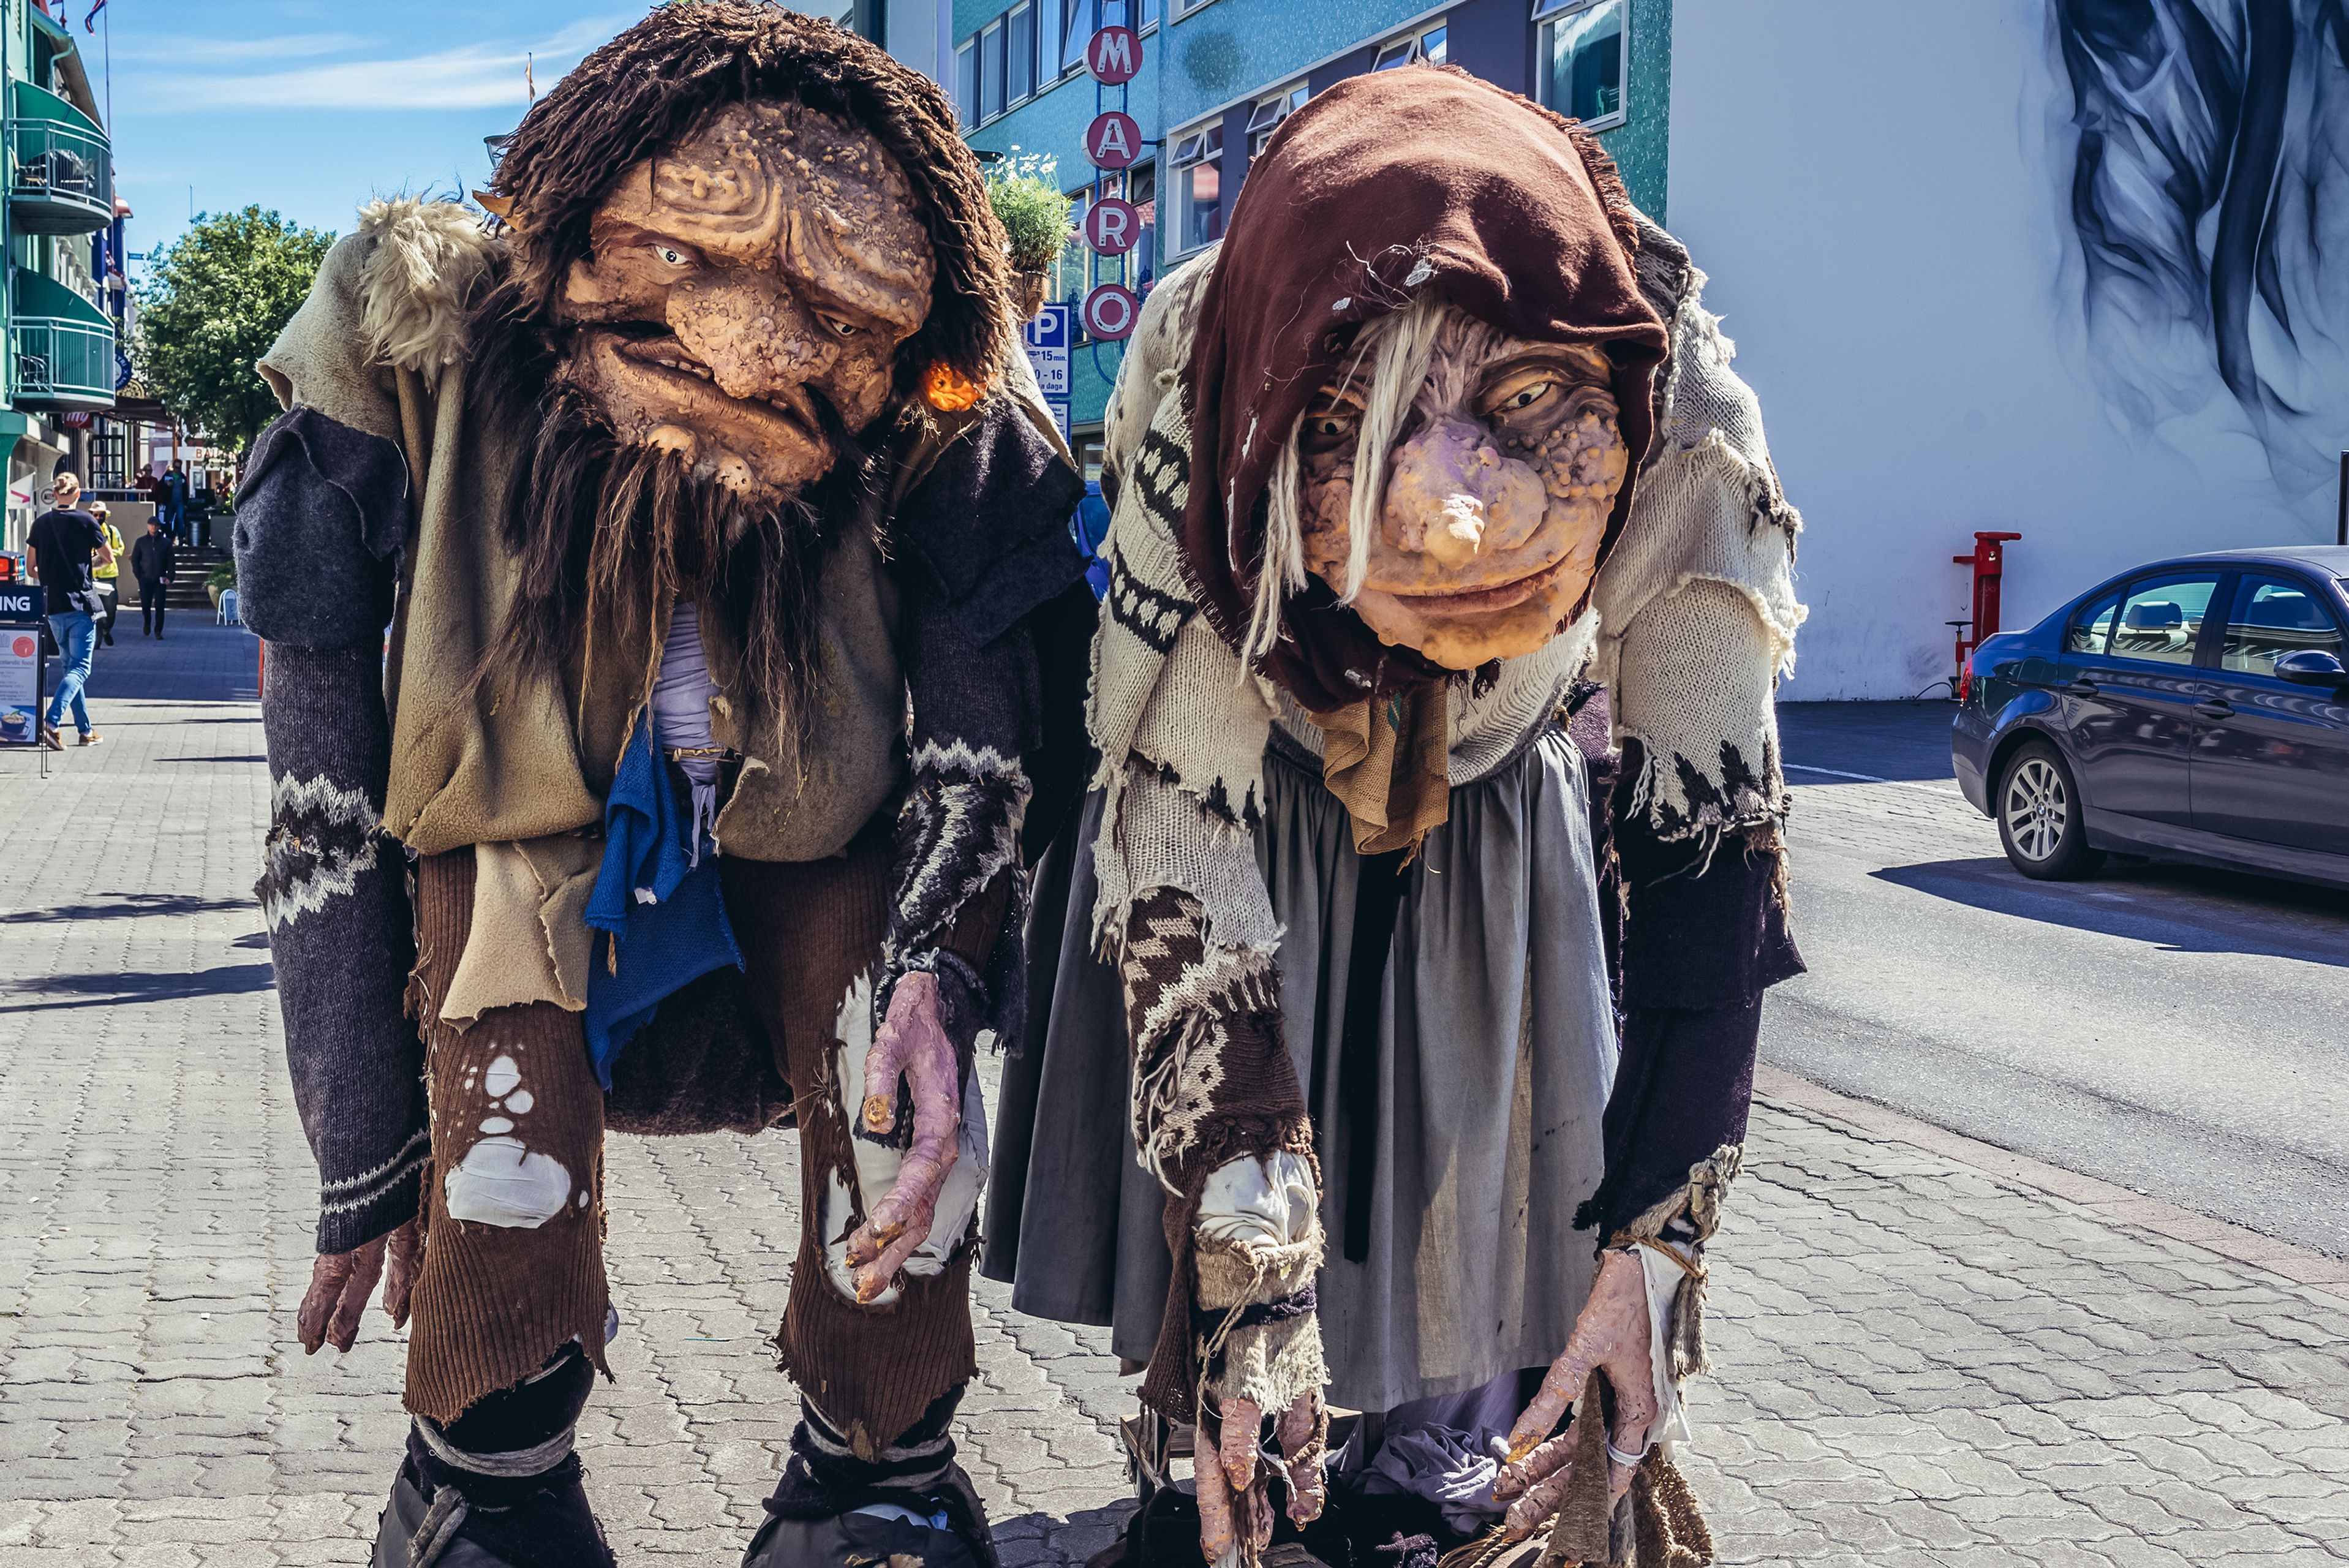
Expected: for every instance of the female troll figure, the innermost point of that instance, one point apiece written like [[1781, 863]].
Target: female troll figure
[[1439, 435], [718, 545]]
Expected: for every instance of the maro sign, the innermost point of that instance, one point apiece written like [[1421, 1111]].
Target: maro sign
[[1113, 141]]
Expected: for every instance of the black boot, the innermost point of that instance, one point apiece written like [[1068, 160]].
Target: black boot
[[500, 1487], [832, 1510]]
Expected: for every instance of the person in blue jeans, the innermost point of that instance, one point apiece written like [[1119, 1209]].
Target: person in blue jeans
[[67, 545]]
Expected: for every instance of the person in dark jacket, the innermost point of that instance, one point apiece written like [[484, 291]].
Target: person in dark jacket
[[153, 562]]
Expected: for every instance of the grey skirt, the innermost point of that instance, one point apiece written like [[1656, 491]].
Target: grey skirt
[[1494, 1051]]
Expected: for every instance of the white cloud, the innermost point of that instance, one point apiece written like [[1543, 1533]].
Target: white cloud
[[473, 75], [184, 51]]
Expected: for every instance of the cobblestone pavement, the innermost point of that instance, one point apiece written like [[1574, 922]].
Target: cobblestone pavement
[[1927, 1352]]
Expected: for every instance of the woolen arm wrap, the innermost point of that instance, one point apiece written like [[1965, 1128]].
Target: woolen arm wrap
[[318, 529], [1704, 934], [983, 544]]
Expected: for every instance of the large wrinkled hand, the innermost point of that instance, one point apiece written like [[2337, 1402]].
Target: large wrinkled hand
[[1611, 1336], [912, 1043], [340, 1283], [1233, 1503]]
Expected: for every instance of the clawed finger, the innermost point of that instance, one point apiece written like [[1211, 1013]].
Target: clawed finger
[[883, 1064], [328, 1275], [1243, 1433], [1218, 1540], [403, 1255], [1307, 1485], [1536, 1465], [1560, 1389]]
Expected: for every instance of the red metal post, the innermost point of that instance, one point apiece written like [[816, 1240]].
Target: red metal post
[[1989, 561]]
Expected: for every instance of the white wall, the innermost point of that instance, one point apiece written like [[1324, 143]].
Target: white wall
[[1878, 189]]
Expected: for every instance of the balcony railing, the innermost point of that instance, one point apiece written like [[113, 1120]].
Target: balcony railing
[[60, 364], [61, 177]]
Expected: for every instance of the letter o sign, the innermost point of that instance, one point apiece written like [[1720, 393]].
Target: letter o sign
[[1113, 56], [1114, 141], [1110, 312], [1113, 225]]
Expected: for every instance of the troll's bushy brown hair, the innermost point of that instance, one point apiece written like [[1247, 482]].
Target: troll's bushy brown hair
[[655, 84]]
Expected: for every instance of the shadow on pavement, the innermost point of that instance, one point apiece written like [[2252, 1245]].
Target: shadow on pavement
[[115, 990], [1893, 741], [2184, 909], [125, 904]]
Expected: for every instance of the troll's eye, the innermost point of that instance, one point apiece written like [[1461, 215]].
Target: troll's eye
[[1523, 398], [671, 255], [1326, 430], [839, 327]]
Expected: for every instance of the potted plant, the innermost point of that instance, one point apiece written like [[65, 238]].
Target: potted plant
[[222, 576], [1026, 195]]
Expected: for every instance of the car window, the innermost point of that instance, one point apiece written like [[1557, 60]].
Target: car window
[[2161, 620], [2092, 626], [2273, 616]]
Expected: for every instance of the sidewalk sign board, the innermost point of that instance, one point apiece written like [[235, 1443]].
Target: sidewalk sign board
[[21, 664]]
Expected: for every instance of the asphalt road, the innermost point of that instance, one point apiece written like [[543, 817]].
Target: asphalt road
[[2181, 1032]]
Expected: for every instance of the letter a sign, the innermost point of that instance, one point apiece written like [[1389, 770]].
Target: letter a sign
[[1113, 56], [1114, 141]]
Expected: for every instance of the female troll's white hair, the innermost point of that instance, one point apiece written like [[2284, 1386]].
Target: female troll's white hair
[[1391, 360]]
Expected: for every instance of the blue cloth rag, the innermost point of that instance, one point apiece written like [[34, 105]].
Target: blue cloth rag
[[664, 915]]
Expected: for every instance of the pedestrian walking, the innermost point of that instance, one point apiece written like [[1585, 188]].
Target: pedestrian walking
[[107, 577], [67, 544], [175, 503], [154, 563]]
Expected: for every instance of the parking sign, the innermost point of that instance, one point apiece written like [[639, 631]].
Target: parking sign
[[1048, 350]]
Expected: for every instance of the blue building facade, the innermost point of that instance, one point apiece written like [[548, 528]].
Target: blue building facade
[[1217, 77]]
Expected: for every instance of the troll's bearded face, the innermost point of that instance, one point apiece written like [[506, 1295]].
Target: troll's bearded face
[[746, 296], [1498, 485]]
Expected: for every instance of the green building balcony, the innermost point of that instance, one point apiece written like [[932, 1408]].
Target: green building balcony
[[60, 166], [60, 348]]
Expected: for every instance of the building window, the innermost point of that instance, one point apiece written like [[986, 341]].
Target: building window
[[1427, 47], [1185, 7], [1198, 174], [967, 83], [990, 71], [1582, 58], [1020, 53], [1265, 117]]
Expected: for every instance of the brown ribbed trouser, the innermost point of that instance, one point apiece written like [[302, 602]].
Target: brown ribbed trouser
[[809, 930], [493, 1303]]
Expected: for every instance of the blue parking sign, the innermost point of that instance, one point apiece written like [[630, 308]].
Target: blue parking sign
[[1048, 349]]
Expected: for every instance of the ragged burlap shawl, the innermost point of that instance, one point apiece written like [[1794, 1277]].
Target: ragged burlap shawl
[[1383, 188]]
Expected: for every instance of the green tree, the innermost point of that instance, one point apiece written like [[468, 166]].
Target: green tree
[[214, 304]]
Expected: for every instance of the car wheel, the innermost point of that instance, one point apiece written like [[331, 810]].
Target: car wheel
[[2040, 820]]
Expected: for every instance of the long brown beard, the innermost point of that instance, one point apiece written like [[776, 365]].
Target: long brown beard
[[605, 532]]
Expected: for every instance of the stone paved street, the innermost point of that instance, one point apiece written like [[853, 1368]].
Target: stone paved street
[[1929, 1353]]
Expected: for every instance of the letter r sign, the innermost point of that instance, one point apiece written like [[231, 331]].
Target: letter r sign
[[1113, 226]]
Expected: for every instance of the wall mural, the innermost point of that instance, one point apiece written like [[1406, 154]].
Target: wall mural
[[2210, 191]]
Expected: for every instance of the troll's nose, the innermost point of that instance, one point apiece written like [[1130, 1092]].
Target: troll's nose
[[754, 337], [1442, 490]]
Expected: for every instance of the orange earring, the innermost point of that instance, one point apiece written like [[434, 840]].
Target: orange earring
[[949, 390]]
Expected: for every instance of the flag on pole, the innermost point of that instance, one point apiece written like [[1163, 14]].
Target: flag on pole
[[89, 22]]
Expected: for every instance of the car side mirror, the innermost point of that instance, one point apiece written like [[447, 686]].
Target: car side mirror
[[2311, 668]]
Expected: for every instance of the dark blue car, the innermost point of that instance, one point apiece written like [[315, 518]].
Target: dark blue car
[[2195, 709]]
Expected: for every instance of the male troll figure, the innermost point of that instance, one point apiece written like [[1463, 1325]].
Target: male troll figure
[[1438, 444], [720, 545]]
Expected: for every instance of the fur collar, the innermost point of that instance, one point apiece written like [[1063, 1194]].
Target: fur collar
[[425, 259]]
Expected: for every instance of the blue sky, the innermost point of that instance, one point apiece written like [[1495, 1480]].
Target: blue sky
[[310, 107]]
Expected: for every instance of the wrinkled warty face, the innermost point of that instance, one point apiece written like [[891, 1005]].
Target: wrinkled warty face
[[776, 259], [1498, 489]]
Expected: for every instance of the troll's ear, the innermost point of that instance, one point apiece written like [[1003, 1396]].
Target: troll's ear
[[500, 207]]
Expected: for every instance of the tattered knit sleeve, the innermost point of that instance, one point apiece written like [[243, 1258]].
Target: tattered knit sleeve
[[983, 544], [1184, 912], [320, 521], [1699, 610]]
